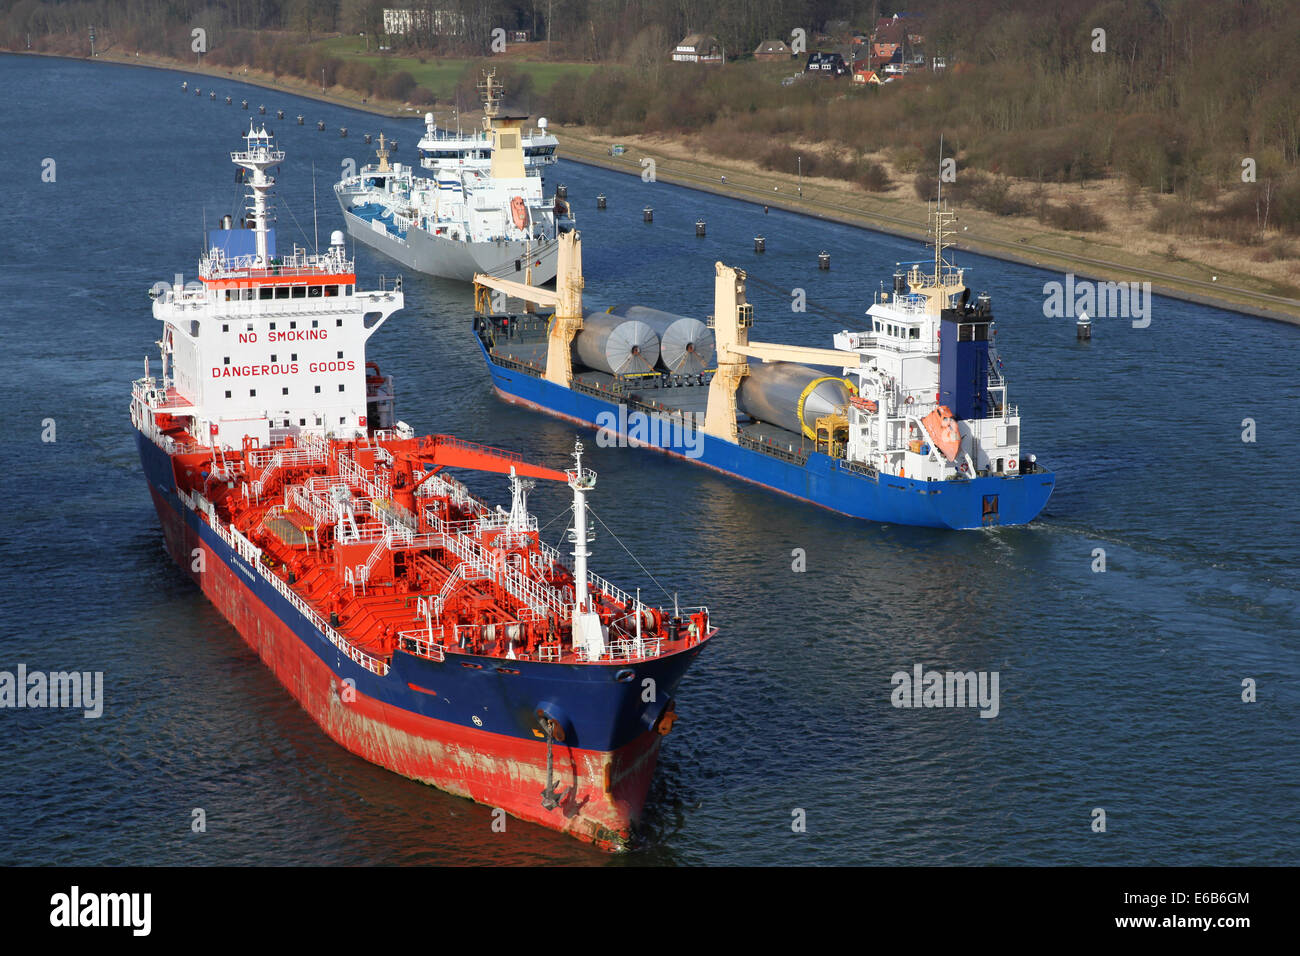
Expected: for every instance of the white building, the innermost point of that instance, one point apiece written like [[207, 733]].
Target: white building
[[399, 22]]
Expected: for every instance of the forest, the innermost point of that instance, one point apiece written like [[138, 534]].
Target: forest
[[1192, 101]]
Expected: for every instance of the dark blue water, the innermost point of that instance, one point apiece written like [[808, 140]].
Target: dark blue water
[[1119, 690]]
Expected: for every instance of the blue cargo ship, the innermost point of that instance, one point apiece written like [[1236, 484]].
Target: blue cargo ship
[[906, 421]]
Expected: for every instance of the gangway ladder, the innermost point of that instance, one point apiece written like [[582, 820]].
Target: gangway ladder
[[363, 570], [465, 571]]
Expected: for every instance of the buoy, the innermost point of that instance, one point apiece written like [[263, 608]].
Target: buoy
[[185, 84], [279, 114], [824, 261], [343, 132], [648, 214], [368, 139], [299, 119], [760, 244], [699, 228], [562, 191], [600, 201], [212, 95], [243, 104], [229, 101], [262, 110], [1083, 328], [321, 126]]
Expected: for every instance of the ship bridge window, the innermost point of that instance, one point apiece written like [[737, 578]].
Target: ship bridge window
[[265, 292], [250, 294], [331, 291], [299, 292], [282, 292], [914, 333], [313, 291]]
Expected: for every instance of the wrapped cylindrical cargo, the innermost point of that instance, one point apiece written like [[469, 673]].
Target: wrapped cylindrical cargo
[[685, 344], [791, 396], [610, 343]]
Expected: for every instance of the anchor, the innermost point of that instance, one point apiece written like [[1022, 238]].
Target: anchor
[[551, 793]]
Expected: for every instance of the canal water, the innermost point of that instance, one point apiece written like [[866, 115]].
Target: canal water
[[1119, 690]]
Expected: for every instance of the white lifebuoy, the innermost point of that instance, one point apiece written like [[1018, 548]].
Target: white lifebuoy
[[962, 467], [1013, 465], [909, 399]]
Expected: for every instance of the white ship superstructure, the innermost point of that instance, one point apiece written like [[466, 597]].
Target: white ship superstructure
[[482, 209], [443, 150], [931, 400], [266, 346]]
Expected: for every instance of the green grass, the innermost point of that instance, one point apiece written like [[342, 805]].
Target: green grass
[[440, 75]]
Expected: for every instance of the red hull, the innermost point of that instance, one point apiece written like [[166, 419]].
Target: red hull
[[605, 790]]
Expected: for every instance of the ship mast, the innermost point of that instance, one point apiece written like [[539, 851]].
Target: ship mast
[[257, 158], [587, 630], [492, 94]]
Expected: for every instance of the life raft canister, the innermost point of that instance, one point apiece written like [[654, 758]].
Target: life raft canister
[[519, 212]]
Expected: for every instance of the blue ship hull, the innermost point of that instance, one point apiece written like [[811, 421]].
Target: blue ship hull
[[829, 482]]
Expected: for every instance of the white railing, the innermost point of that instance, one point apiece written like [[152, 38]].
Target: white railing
[[540, 600], [623, 649], [418, 643], [318, 509], [294, 264], [595, 581]]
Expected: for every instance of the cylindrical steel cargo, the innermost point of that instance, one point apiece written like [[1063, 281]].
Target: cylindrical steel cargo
[[791, 396], [610, 343], [685, 344]]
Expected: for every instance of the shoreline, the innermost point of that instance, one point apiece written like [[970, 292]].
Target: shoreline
[[677, 173], [581, 146]]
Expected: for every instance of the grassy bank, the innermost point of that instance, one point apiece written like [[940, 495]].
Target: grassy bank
[[1112, 254]]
